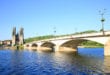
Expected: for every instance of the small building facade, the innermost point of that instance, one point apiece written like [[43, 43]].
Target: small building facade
[[6, 42], [0, 42]]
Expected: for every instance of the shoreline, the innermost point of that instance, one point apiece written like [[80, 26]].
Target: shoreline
[[90, 46]]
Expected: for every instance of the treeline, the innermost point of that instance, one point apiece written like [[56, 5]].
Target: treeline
[[88, 31], [39, 38], [91, 44]]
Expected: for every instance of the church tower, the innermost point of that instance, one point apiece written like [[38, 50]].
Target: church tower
[[17, 39], [21, 36], [14, 36]]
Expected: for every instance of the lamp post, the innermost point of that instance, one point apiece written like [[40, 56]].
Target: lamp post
[[54, 31], [102, 20]]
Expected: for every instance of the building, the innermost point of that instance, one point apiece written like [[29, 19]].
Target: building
[[0, 42], [6, 42], [17, 38]]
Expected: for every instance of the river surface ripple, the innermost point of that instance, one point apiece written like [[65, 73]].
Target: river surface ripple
[[88, 61]]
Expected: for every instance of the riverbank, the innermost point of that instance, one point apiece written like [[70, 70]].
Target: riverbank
[[90, 46], [18, 47]]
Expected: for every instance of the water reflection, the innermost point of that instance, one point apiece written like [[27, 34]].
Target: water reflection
[[53, 63], [107, 64]]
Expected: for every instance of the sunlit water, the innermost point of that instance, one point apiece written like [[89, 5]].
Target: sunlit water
[[88, 61]]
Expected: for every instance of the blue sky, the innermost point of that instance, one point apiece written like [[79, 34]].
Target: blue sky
[[39, 17]]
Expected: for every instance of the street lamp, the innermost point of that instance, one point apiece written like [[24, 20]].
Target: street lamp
[[54, 31], [102, 20]]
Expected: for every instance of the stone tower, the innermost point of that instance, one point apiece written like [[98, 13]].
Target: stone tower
[[17, 39], [14, 36], [21, 36]]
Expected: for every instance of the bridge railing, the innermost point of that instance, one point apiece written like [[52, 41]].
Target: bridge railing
[[77, 35]]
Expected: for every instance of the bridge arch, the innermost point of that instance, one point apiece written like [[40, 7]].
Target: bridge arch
[[34, 45], [95, 43], [27, 45], [47, 46], [70, 45]]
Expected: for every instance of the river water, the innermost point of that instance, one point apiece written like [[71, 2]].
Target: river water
[[88, 61]]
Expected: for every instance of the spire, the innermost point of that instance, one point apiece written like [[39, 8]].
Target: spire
[[14, 36], [21, 32], [14, 31], [21, 36]]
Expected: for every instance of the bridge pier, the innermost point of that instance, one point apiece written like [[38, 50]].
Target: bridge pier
[[65, 49], [107, 48], [106, 65], [38, 47], [57, 48]]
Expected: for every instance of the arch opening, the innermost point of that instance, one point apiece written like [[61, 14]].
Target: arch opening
[[82, 42], [70, 45], [89, 44], [34, 45], [27, 45], [48, 46]]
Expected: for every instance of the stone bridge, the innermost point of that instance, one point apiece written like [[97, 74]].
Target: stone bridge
[[71, 43]]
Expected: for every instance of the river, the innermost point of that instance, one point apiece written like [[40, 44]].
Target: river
[[88, 61]]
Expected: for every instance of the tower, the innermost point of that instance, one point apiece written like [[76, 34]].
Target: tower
[[14, 36], [21, 36], [17, 39]]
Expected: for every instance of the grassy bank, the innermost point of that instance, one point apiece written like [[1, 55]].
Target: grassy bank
[[91, 44]]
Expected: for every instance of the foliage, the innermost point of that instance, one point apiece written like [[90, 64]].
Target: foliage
[[88, 31], [91, 44], [21, 47], [0, 44], [38, 38]]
